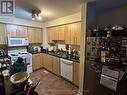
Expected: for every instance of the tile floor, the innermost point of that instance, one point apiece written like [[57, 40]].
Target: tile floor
[[51, 84]]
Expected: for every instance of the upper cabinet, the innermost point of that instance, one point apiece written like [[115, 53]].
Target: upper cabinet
[[16, 30], [60, 32], [55, 33], [50, 34], [72, 33], [3, 36], [34, 35]]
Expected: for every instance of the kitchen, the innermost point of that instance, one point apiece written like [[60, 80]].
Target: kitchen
[[50, 48], [78, 48]]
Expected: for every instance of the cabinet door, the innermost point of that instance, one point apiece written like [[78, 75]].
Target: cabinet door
[[38, 35], [77, 33], [21, 31], [31, 35], [11, 30], [3, 36], [56, 66], [48, 60], [67, 34], [61, 30], [76, 73], [42, 60], [72, 30], [36, 61], [50, 34], [56, 33]]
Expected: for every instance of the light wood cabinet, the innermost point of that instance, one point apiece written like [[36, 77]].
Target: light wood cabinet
[[38, 35], [55, 33], [34, 35], [56, 66], [36, 61], [50, 34], [51, 63], [60, 32], [47, 62], [31, 34], [21, 31], [72, 33], [77, 33], [16, 30], [76, 73], [3, 36]]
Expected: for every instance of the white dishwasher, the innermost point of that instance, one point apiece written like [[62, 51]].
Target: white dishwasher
[[66, 69]]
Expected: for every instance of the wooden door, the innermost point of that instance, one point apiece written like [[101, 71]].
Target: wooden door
[[36, 61], [67, 34], [72, 30], [56, 66], [56, 32], [48, 62], [50, 34], [21, 31], [3, 36], [31, 36], [61, 30], [42, 60], [77, 33], [11, 30], [38, 35], [76, 73]]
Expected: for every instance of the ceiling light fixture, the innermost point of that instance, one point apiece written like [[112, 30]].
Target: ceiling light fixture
[[36, 15]]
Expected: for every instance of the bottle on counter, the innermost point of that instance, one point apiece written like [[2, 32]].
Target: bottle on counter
[[69, 50], [104, 55]]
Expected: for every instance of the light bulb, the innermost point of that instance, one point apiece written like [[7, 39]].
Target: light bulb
[[39, 17], [33, 18]]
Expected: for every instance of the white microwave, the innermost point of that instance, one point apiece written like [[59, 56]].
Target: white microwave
[[16, 41]]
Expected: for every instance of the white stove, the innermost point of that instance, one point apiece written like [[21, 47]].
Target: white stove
[[27, 57]]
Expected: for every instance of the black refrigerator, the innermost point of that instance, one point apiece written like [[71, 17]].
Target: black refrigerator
[[106, 62]]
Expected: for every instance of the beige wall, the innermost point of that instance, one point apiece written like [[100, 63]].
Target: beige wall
[[114, 16], [13, 20]]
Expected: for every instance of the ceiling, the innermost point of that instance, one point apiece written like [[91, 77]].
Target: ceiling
[[50, 9]]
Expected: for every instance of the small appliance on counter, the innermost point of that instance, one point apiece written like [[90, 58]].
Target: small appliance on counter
[[36, 48], [33, 49]]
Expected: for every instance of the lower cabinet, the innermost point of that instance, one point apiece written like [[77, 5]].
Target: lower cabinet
[[47, 61], [51, 63], [56, 65], [37, 61], [76, 73]]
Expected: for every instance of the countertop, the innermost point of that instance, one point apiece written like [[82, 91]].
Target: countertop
[[68, 57]]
